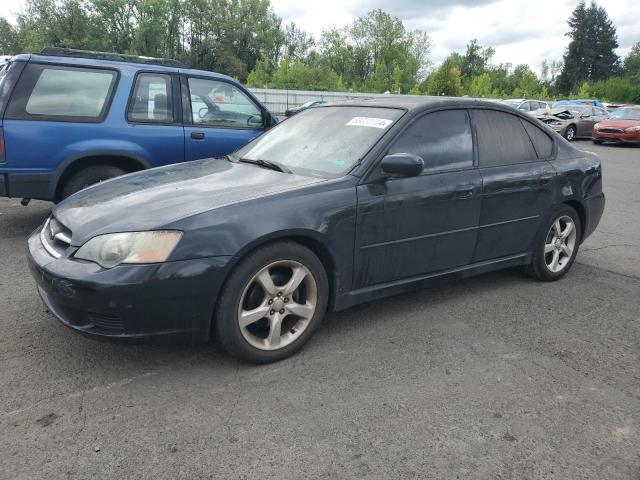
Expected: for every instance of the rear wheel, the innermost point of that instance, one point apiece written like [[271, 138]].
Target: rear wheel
[[570, 132], [556, 245], [89, 176], [272, 303]]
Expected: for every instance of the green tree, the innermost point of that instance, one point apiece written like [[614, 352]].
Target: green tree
[[259, 76], [445, 80], [9, 39], [590, 55], [397, 79], [379, 82], [481, 86], [632, 62], [475, 61], [415, 90]]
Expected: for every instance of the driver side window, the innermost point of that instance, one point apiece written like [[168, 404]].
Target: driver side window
[[221, 104]]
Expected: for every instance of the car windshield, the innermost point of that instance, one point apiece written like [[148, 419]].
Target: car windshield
[[626, 114], [325, 141]]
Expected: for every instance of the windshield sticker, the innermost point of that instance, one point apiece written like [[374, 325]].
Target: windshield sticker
[[370, 122]]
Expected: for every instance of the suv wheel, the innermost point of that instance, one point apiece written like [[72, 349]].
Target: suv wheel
[[272, 303], [556, 245], [89, 176]]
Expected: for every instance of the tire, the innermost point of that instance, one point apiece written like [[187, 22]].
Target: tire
[[250, 308], [598, 142], [89, 176], [547, 245], [570, 133]]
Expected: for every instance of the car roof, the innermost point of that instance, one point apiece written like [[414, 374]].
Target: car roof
[[121, 64], [417, 104]]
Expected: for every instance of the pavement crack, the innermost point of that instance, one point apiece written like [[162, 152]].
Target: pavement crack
[[613, 245], [626, 275]]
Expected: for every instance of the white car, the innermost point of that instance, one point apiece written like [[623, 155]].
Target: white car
[[532, 107]]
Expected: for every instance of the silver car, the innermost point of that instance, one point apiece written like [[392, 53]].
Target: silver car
[[573, 121]]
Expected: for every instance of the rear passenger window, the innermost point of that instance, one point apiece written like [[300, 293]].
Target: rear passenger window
[[541, 141], [151, 101], [502, 140], [443, 140], [66, 93]]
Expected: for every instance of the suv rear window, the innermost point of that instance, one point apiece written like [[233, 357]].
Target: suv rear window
[[62, 93]]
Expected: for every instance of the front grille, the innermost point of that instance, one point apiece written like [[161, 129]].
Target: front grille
[[55, 237], [611, 130], [113, 323]]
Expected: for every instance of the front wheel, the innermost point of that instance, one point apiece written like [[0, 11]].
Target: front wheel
[[556, 245], [598, 142], [272, 303]]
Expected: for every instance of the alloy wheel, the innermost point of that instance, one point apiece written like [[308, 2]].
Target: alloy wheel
[[560, 244], [570, 133], [277, 305]]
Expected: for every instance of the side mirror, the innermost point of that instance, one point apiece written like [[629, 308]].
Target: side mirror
[[585, 115], [203, 112], [402, 165]]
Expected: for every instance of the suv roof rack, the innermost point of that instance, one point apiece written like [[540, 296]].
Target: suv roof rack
[[116, 57]]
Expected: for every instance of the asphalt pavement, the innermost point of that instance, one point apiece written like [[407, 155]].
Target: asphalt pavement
[[495, 377]]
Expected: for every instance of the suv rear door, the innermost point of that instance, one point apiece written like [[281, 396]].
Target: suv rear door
[[219, 117]]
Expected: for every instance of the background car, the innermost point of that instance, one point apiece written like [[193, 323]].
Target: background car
[[70, 118], [622, 126], [528, 106], [573, 121], [339, 205], [577, 101], [293, 110]]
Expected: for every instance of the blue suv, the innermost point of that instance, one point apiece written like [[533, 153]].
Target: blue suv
[[69, 119]]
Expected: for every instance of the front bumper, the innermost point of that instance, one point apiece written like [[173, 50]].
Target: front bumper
[[128, 300], [616, 137]]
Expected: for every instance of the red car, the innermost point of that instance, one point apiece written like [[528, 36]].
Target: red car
[[622, 126]]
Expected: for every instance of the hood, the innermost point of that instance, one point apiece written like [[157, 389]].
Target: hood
[[561, 113], [154, 198], [618, 123]]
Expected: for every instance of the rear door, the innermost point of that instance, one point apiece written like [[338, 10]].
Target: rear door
[[219, 117], [517, 181]]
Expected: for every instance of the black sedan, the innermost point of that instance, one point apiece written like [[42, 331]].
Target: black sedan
[[339, 205]]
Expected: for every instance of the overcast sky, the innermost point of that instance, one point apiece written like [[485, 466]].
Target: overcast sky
[[521, 31]]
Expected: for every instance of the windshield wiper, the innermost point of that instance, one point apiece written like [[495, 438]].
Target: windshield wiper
[[267, 164]]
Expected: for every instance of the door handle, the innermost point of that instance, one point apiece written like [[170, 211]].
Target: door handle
[[465, 191], [197, 135]]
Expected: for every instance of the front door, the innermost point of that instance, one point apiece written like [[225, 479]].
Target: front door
[[408, 227], [221, 118]]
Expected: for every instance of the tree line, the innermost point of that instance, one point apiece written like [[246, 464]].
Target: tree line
[[374, 53]]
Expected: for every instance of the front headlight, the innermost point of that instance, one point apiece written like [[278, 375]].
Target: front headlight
[[596, 126], [113, 249], [633, 129]]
